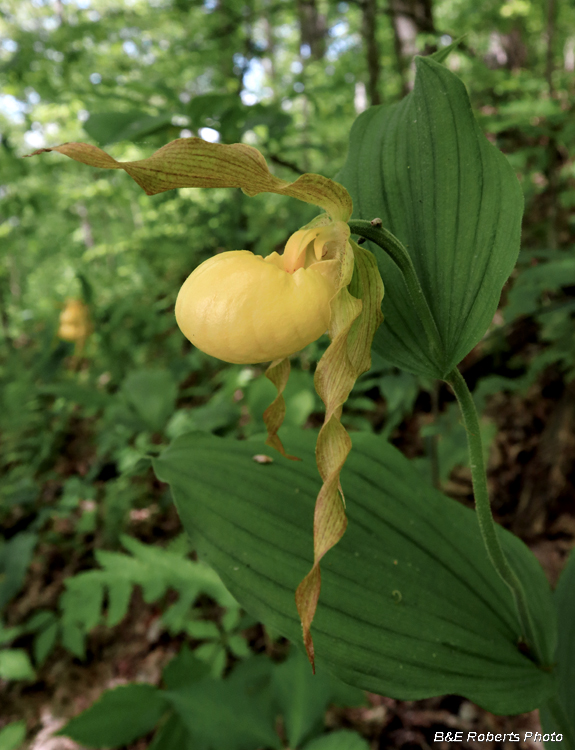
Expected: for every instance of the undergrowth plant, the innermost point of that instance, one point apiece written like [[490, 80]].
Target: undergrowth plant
[[399, 589]]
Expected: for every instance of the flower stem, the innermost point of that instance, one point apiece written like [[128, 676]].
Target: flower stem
[[483, 509], [399, 255]]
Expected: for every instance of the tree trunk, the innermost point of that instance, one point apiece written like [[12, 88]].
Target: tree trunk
[[313, 28], [409, 18], [368, 31]]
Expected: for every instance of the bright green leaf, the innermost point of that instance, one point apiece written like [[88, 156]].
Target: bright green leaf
[[15, 665], [12, 736], [424, 167]]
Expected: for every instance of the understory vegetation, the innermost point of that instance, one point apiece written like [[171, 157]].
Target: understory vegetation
[[110, 623]]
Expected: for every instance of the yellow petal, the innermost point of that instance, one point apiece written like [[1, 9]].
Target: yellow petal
[[241, 309]]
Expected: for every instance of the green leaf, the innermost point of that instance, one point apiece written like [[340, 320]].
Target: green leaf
[[110, 127], [73, 638], [119, 717], [15, 665], [184, 669], [15, 557], [410, 605], [232, 714], [565, 656], [81, 602], [119, 595], [44, 642], [173, 735], [12, 736], [152, 393], [342, 740], [302, 696], [202, 630], [424, 167]]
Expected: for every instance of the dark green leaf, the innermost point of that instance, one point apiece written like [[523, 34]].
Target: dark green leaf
[[173, 735], [565, 602], [184, 669], [232, 714], [44, 642], [410, 606], [119, 717], [424, 167], [15, 557], [302, 696], [152, 393]]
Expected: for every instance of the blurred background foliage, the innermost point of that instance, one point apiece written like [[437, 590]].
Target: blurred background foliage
[[79, 421]]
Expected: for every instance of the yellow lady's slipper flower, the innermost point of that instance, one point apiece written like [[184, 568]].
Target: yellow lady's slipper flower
[[74, 322], [245, 309]]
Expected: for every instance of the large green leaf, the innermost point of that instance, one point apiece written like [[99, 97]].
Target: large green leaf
[[564, 722], [424, 167], [410, 606]]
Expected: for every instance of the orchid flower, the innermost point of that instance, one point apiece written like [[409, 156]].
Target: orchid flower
[[246, 309]]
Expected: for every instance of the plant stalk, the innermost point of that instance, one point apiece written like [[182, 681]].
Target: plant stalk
[[399, 255], [374, 232], [483, 510]]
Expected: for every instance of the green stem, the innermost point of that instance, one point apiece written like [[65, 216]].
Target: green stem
[[483, 509], [399, 255], [559, 716]]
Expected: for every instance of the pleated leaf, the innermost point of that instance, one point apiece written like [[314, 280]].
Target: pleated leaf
[[424, 167], [561, 717], [410, 605]]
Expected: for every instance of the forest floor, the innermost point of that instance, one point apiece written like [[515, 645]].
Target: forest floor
[[531, 470]]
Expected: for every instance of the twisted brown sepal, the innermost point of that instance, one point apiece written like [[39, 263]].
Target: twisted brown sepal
[[278, 372], [355, 318], [193, 162]]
